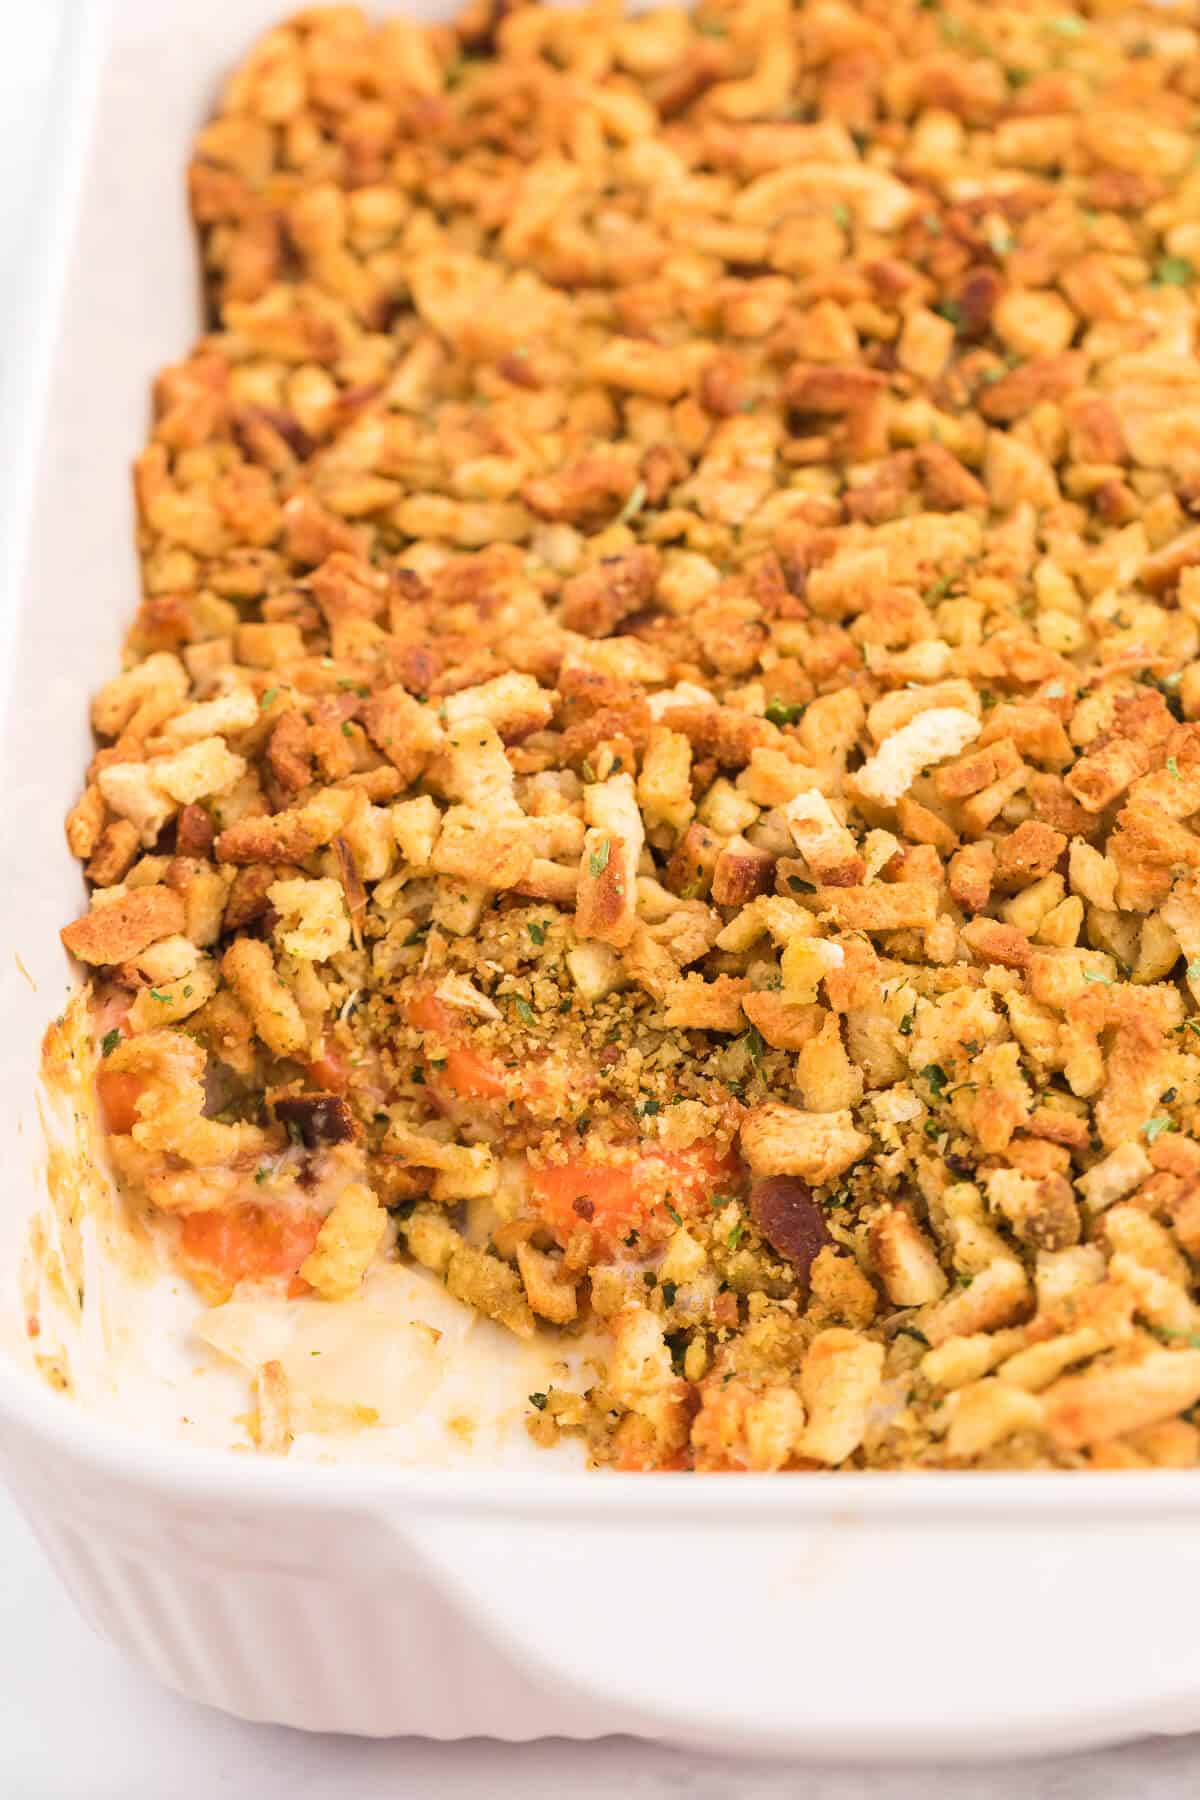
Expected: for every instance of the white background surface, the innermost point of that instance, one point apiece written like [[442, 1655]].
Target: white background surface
[[77, 1724]]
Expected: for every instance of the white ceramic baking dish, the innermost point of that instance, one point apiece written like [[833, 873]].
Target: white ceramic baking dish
[[842, 1616]]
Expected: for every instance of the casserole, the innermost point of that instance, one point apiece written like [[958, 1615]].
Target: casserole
[[264, 1592]]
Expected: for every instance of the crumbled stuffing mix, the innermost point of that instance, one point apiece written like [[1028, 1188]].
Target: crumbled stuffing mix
[[657, 765]]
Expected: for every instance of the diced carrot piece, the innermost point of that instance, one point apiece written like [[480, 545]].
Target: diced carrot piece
[[462, 1070], [335, 1071], [118, 1093], [617, 1198], [471, 1077], [600, 1195], [249, 1243], [329, 1071], [428, 1013]]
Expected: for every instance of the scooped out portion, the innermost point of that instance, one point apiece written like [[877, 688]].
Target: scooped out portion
[[652, 793]]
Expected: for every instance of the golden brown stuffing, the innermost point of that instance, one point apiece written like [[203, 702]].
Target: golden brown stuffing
[[656, 771]]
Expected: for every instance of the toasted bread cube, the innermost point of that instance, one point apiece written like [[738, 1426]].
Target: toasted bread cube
[[346, 1244], [249, 968], [931, 737], [313, 923], [605, 907], [120, 930], [782, 1140], [838, 1382]]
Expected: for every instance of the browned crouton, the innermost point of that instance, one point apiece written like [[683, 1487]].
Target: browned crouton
[[114, 932]]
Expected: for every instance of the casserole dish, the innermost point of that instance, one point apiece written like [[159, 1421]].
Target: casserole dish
[[888, 1617]]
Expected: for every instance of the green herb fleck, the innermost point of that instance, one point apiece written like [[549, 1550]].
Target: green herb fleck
[[163, 999], [1093, 975], [1154, 1128], [1173, 767], [537, 932], [633, 505], [735, 1236], [109, 1042], [524, 1010], [262, 1173], [539, 1400], [1172, 271], [598, 860], [937, 1078], [672, 1213], [754, 1044], [268, 697], [646, 1109], [780, 712]]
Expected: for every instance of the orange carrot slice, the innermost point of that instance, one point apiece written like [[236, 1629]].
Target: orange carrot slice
[[249, 1242], [329, 1072], [462, 1070], [651, 1193], [118, 1094]]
